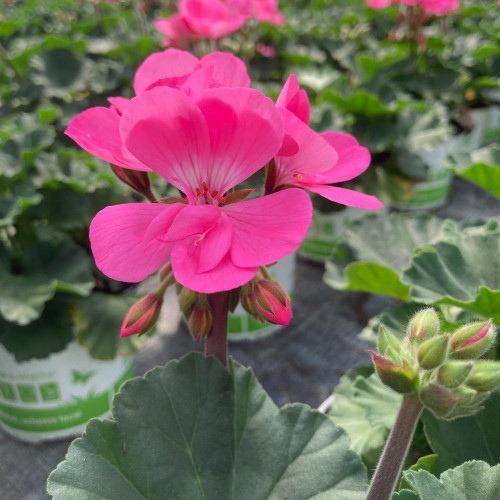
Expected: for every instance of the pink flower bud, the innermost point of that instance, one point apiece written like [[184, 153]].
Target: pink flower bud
[[273, 303], [401, 378], [200, 322], [472, 340], [137, 180], [142, 315]]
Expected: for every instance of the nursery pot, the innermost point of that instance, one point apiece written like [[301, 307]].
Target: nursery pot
[[411, 194], [242, 326], [53, 398]]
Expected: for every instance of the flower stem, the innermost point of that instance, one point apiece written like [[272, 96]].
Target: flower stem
[[391, 462], [216, 342]]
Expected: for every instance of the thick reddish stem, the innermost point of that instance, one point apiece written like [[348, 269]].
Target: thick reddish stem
[[216, 342], [391, 462]]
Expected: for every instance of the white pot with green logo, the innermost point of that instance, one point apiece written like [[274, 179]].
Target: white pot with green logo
[[242, 326], [53, 398], [425, 194]]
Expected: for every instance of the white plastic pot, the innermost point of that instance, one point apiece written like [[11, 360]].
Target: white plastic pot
[[53, 398]]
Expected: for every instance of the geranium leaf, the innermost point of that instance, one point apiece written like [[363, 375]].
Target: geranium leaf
[[468, 438], [463, 273], [98, 320], [482, 167], [194, 430], [48, 334], [357, 410], [67, 263], [471, 480], [376, 248], [22, 298]]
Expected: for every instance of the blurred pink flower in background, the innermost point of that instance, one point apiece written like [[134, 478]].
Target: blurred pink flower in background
[[213, 19], [436, 7]]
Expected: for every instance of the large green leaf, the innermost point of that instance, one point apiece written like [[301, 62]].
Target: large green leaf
[[366, 410], [98, 321], [48, 334], [376, 249], [67, 266], [194, 430], [465, 273], [473, 480], [482, 167], [23, 298], [469, 438]]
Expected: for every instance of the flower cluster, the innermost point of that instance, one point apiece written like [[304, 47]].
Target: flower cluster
[[196, 123], [213, 19], [436, 7], [442, 369]]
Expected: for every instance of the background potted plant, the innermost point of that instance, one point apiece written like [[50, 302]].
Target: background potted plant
[[61, 360]]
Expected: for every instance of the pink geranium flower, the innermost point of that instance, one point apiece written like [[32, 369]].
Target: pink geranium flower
[[97, 129], [213, 19], [314, 161], [436, 7], [204, 146]]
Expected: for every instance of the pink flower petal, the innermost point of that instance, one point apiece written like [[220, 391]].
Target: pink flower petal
[[294, 99], [228, 70], [315, 154], [117, 240], [194, 220], [215, 244], [269, 228], [225, 276], [353, 158], [171, 66], [97, 131], [167, 132], [346, 197], [210, 18], [161, 224], [120, 103], [246, 131]]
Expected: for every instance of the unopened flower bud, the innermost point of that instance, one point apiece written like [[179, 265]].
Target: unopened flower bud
[[248, 300], [485, 376], [200, 322], [401, 378], [423, 325], [187, 299], [142, 315], [432, 352], [472, 340], [385, 340], [167, 274], [454, 373], [438, 399], [137, 180], [273, 303]]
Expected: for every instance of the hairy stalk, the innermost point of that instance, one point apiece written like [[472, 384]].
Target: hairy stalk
[[216, 341], [391, 462]]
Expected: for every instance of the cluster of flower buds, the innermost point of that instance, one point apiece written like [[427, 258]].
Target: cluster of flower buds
[[197, 311], [265, 299], [144, 314], [443, 369]]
